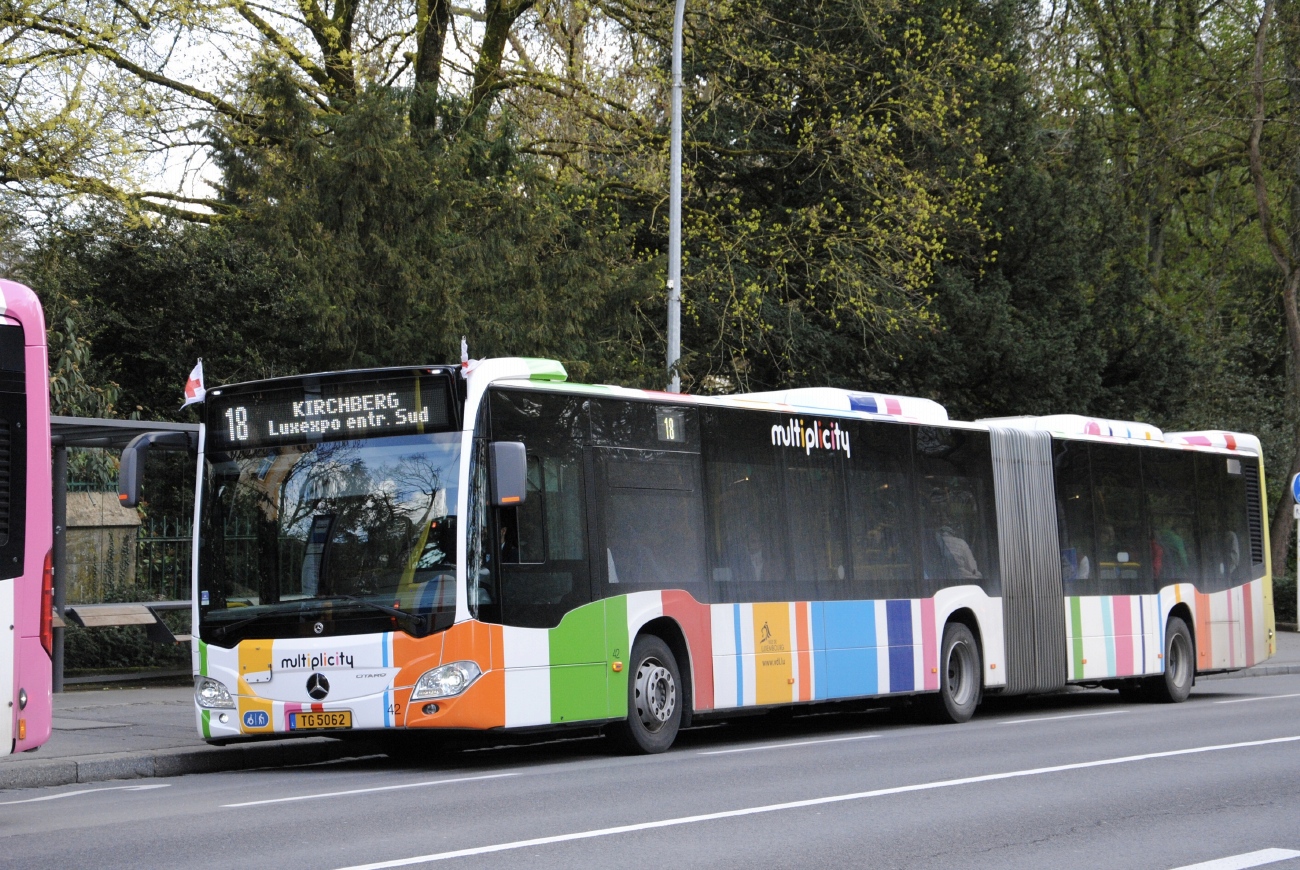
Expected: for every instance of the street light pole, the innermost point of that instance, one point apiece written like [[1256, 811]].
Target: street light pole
[[675, 210]]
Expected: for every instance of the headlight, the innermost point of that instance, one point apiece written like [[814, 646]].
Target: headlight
[[445, 681], [211, 693]]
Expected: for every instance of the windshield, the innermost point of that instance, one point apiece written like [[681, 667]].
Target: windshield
[[340, 537]]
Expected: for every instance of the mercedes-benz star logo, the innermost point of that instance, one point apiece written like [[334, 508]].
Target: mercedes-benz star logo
[[318, 687]]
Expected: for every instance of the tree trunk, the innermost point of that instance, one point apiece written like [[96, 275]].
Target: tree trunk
[[433, 19]]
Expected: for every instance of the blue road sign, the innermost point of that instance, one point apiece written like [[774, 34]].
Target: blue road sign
[[1295, 488]]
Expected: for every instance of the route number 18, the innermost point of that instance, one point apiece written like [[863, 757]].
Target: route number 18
[[237, 423]]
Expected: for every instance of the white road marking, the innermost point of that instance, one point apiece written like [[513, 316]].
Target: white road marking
[[811, 802], [54, 797], [1241, 862], [330, 794], [1260, 698], [786, 745], [1054, 718]]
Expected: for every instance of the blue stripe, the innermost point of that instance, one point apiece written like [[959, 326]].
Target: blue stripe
[[1108, 629], [902, 673], [740, 662], [863, 403], [851, 654], [385, 640]]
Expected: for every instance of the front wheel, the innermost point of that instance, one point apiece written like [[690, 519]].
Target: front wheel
[[654, 699], [961, 673], [1175, 684]]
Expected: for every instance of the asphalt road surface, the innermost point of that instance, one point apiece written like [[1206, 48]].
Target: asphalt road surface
[[1072, 780]]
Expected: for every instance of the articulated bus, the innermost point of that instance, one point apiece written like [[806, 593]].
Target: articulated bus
[[487, 546], [26, 523]]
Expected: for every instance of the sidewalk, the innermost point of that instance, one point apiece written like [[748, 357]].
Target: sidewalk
[[125, 733]]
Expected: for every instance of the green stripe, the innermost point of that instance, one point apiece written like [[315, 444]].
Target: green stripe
[[207, 723], [1076, 626], [545, 369], [619, 650], [203, 659], [577, 649]]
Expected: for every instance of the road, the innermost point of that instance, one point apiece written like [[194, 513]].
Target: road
[[1073, 780]]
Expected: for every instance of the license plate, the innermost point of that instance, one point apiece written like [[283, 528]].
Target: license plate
[[320, 721]]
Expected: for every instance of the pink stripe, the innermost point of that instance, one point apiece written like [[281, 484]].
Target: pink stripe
[[1248, 618], [893, 406], [1232, 635], [289, 710], [1198, 440], [1122, 614], [930, 648]]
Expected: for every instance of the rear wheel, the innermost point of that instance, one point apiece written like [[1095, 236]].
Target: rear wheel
[[960, 675], [654, 699], [1175, 684]]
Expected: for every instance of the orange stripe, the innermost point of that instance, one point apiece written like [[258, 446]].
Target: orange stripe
[[805, 650], [1204, 652]]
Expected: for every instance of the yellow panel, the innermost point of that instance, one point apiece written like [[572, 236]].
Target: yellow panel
[[254, 658], [773, 654]]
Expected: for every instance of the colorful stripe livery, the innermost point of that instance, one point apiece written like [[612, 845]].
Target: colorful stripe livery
[[1123, 635], [738, 655]]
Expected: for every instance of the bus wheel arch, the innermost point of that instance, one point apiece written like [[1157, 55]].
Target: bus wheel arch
[[666, 629], [1178, 675], [961, 670], [655, 698]]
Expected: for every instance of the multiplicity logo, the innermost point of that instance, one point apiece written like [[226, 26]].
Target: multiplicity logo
[[302, 661], [811, 436]]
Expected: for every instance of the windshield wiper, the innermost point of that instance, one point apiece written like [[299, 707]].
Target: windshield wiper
[[422, 622], [222, 630]]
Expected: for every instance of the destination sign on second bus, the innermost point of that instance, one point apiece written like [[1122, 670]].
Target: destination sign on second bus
[[328, 411]]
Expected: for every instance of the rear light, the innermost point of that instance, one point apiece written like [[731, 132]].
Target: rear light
[[47, 605]]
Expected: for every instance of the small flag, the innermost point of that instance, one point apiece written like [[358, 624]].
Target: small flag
[[194, 391], [464, 352]]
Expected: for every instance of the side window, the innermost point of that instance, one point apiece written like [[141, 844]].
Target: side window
[[1169, 479], [1123, 551], [1072, 471], [954, 480], [522, 528], [541, 545], [746, 534], [815, 512], [652, 518], [1225, 530], [881, 523]]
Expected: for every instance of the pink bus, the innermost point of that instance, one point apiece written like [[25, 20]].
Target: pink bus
[[26, 530]]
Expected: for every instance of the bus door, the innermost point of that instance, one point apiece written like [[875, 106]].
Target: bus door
[[541, 546]]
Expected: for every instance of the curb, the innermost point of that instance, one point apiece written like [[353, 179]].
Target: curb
[[1260, 671], [176, 762]]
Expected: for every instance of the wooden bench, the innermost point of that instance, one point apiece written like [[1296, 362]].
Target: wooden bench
[[144, 613]]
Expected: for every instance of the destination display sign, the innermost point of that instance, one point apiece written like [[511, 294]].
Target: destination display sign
[[327, 411]]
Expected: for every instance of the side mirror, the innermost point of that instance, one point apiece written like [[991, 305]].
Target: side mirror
[[131, 469], [509, 472]]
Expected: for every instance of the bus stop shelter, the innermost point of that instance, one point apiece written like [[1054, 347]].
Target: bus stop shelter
[[69, 432]]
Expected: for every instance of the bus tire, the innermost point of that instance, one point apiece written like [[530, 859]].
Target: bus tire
[[1175, 684], [654, 699], [961, 676]]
